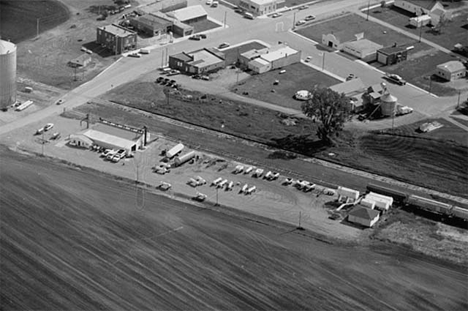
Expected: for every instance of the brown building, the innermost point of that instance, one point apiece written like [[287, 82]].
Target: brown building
[[151, 25], [392, 55], [197, 62], [116, 39]]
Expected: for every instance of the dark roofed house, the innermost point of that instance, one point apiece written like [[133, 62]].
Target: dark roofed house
[[363, 216]]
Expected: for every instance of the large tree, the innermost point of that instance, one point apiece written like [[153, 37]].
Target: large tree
[[331, 109]]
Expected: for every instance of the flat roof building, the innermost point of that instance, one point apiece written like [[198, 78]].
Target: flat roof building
[[116, 39], [267, 59], [151, 25], [363, 49], [261, 7], [189, 15], [451, 70], [197, 62]]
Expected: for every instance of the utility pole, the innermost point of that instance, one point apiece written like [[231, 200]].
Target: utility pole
[[420, 33], [217, 202], [368, 6], [42, 143], [294, 20], [299, 227], [323, 61], [225, 16], [37, 27], [458, 102]]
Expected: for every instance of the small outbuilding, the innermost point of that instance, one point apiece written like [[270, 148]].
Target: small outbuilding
[[336, 40], [420, 21], [81, 61], [363, 216], [451, 70], [392, 54]]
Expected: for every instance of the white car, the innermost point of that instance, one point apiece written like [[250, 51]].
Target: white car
[[48, 126], [209, 2], [275, 15], [300, 22]]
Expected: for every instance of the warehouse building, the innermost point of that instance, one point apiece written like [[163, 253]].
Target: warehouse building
[[264, 60], [189, 15], [392, 54], [198, 62], [261, 7], [116, 39], [162, 6], [363, 49], [151, 25], [336, 40], [116, 136]]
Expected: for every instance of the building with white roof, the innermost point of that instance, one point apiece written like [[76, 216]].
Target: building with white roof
[[451, 70], [198, 62], [189, 15], [261, 7], [267, 59], [363, 49]]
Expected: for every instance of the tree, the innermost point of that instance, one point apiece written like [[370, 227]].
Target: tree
[[331, 109]]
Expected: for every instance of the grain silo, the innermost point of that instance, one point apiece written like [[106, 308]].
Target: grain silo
[[7, 74], [388, 104]]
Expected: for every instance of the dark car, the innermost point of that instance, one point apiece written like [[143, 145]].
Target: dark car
[[224, 45], [309, 18], [159, 79], [196, 76], [195, 37], [203, 36], [395, 79]]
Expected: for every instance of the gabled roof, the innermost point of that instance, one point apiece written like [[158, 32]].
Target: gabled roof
[[425, 4], [452, 66], [345, 35], [349, 87], [364, 213]]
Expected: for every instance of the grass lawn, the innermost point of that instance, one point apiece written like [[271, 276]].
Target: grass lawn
[[233, 53], [436, 160], [297, 77], [204, 26], [454, 32], [235, 118]]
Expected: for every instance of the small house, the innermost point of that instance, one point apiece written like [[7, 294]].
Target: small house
[[420, 21], [451, 70], [419, 7], [80, 140], [363, 216], [336, 40]]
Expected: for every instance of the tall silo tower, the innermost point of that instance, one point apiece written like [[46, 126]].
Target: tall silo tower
[[7, 74]]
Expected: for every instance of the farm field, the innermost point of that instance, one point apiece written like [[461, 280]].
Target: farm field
[[87, 241], [443, 169]]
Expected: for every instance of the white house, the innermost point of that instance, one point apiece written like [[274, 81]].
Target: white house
[[363, 216], [451, 70], [261, 7], [419, 7], [419, 21]]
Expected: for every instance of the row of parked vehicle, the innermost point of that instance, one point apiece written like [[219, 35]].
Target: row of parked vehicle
[[167, 82], [112, 154]]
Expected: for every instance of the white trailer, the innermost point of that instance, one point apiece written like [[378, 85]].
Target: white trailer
[[347, 194], [24, 105], [185, 158], [174, 151]]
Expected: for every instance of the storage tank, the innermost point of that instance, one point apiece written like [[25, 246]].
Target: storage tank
[[185, 158], [8, 74], [388, 104]]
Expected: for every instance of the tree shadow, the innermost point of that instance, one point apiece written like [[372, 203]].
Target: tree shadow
[[98, 49], [302, 144]]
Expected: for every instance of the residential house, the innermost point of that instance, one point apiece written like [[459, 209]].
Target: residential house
[[363, 216], [419, 7], [451, 70], [337, 39], [393, 54]]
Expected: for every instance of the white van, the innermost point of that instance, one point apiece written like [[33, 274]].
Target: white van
[[144, 51], [248, 15], [214, 4]]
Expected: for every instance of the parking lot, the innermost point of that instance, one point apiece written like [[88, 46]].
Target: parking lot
[[267, 197]]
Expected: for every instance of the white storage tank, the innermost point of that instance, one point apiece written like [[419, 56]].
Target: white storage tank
[[388, 104], [8, 74], [347, 193]]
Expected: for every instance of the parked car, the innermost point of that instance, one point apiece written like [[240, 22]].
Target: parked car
[[238, 10], [248, 15], [215, 4], [159, 80], [173, 72], [395, 78], [59, 102], [309, 18], [224, 45], [300, 22], [275, 15], [202, 35], [48, 126], [308, 59], [136, 55], [209, 2], [303, 7], [39, 131], [195, 37]]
